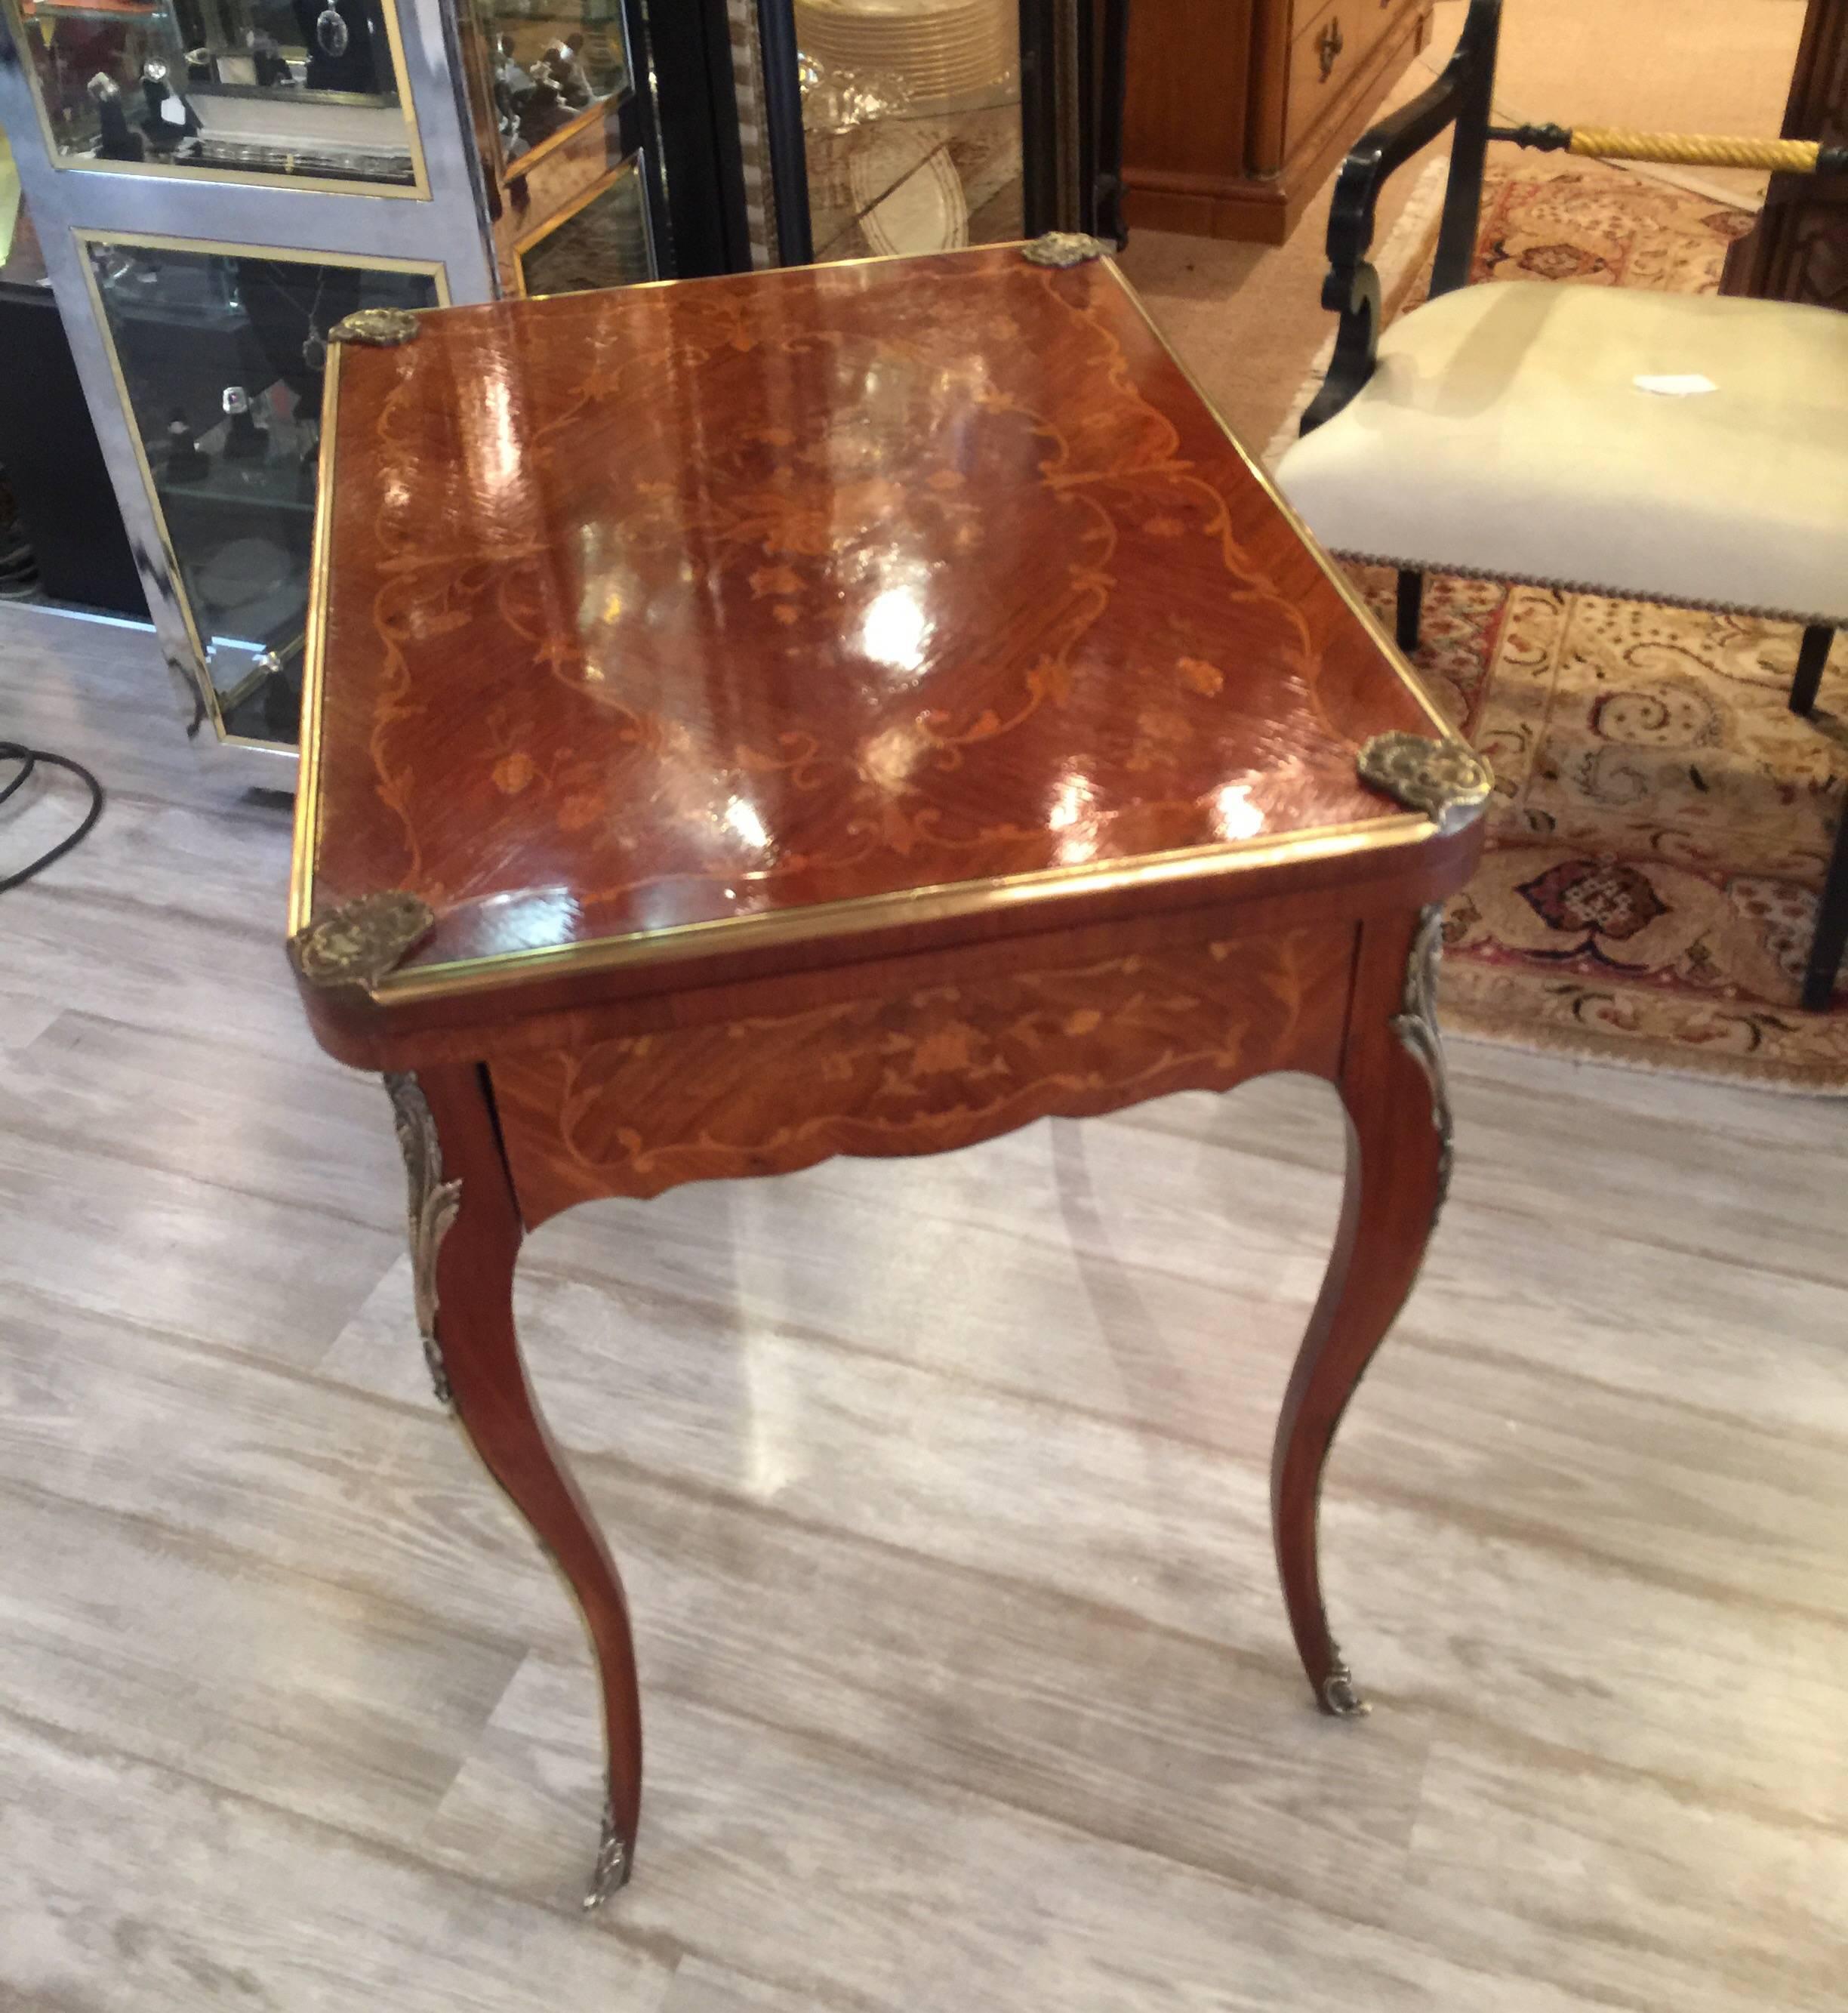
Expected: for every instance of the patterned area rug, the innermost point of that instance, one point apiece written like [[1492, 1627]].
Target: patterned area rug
[[1662, 820]]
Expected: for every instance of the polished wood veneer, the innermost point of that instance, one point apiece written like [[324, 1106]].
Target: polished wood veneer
[[857, 710], [729, 602], [917, 1072]]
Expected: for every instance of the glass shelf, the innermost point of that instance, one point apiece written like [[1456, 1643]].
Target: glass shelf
[[222, 360]]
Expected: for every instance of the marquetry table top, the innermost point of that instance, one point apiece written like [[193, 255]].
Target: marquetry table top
[[727, 615]]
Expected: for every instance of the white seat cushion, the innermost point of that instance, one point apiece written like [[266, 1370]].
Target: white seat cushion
[[1504, 433]]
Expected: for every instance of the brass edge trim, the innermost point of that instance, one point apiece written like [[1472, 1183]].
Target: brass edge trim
[[247, 177], [407, 100], [246, 248], [308, 787], [938, 901], [1344, 586], [770, 272], [555, 143], [417, 192], [604, 182]]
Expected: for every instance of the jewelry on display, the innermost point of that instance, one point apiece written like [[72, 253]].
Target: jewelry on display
[[245, 440], [330, 32], [186, 460], [314, 344]]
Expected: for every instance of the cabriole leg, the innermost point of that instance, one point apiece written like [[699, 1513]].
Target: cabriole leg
[[1398, 1157], [466, 1234]]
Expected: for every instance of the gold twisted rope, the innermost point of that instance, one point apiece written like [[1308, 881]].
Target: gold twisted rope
[[1695, 150]]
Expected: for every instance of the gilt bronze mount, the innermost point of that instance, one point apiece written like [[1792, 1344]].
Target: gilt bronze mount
[[1443, 779], [361, 941]]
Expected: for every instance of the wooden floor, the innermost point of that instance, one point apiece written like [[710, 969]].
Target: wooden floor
[[941, 1488]]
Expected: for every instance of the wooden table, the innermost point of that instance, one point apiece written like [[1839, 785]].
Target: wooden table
[[851, 710]]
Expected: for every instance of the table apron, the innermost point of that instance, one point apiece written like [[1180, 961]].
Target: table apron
[[921, 1070]]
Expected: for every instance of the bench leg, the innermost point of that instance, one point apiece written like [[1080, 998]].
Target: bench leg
[[466, 1234], [1810, 661], [1410, 609], [1831, 938]]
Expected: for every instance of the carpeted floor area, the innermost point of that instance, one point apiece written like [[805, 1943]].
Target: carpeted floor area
[[1662, 821]]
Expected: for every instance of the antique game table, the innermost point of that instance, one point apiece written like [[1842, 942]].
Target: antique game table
[[856, 709]]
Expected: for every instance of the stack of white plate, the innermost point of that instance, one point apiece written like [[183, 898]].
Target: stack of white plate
[[938, 50]]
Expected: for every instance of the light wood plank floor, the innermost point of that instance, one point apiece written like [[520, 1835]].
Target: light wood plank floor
[[940, 1487]]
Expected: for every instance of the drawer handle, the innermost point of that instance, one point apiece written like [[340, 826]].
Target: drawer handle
[[1330, 46]]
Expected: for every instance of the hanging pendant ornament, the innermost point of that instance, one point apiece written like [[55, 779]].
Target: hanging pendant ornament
[[330, 31], [314, 350]]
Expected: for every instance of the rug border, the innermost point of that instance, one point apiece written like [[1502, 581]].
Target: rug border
[[1585, 1045]]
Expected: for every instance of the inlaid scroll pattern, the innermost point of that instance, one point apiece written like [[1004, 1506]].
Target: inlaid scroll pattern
[[933, 1069]]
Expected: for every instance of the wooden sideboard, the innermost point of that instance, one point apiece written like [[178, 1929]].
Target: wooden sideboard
[[1238, 110], [1798, 252]]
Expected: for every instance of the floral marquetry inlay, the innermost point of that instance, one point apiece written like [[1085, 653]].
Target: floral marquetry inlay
[[937, 1068], [679, 604]]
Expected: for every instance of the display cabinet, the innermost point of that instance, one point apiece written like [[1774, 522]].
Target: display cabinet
[[217, 182]]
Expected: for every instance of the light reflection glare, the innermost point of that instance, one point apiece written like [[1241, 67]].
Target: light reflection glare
[[1068, 806], [1236, 815], [1070, 815], [894, 629], [497, 449], [743, 819], [526, 918]]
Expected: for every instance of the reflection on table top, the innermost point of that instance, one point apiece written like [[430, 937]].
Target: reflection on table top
[[693, 604]]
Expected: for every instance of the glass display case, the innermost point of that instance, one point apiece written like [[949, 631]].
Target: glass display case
[[911, 124], [222, 360], [603, 241], [552, 63], [66, 540]]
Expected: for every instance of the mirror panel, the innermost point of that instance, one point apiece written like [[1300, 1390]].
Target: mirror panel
[[309, 90]]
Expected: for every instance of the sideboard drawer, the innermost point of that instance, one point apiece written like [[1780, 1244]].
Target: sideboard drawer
[[1327, 52], [1231, 126]]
